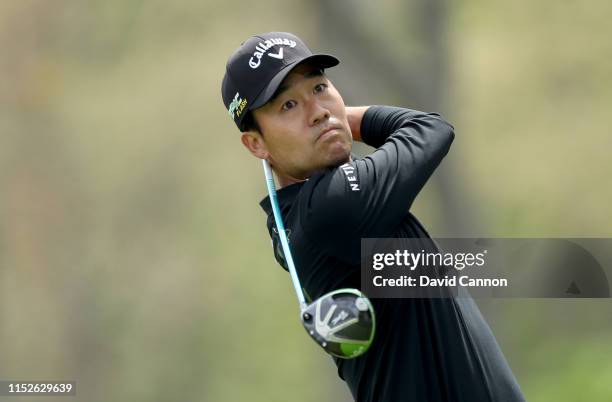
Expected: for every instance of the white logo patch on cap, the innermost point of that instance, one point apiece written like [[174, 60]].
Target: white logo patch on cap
[[237, 106], [263, 47]]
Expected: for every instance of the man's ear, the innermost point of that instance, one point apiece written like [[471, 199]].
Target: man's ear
[[254, 142]]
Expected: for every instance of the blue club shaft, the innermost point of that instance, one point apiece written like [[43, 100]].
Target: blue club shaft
[[280, 227]]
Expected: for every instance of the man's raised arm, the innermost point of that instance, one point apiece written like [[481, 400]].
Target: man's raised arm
[[369, 197]]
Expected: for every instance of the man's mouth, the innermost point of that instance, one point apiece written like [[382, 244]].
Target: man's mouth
[[328, 131]]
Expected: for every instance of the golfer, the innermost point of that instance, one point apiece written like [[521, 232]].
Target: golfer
[[290, 114]]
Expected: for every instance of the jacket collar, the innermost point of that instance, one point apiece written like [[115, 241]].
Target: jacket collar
[[285, 196]]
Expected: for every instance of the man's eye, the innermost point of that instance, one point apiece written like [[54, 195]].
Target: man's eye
[[320, 88], [288, 105]]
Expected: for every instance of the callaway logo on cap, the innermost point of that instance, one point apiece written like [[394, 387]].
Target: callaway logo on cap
[[257, 68]]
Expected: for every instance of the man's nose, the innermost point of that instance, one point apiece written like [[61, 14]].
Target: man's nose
[[318, 113]]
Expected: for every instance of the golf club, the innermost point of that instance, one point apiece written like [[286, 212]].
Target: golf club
[[342, 322]]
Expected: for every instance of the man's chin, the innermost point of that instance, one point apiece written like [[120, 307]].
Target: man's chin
[[339, 158]]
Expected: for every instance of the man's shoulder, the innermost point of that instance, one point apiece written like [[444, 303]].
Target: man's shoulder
[[326, 186], [324, 201]]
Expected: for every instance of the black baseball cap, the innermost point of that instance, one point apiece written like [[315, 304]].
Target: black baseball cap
[[258, 67]]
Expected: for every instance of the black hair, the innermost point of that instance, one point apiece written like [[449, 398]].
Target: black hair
[[250, 124]]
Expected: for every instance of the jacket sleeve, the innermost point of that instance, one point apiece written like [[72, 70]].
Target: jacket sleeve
[[369, 197]]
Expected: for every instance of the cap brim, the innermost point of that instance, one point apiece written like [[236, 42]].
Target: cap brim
[[321, 60]]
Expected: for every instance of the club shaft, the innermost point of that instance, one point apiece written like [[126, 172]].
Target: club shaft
[[280, 227]]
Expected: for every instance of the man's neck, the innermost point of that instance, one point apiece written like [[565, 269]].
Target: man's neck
[[284, 181]]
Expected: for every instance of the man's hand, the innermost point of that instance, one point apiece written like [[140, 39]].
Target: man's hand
[[354, 114]]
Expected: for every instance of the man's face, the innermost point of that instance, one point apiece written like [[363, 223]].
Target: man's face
[[304, 127]]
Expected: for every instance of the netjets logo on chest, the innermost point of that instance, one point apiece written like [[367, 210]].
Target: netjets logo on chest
[[349, 172], [263, 47]]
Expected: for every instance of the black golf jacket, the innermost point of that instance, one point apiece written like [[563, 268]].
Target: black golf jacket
[[424, 350]]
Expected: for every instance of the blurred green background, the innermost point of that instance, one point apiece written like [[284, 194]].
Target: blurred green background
[[134, 257]]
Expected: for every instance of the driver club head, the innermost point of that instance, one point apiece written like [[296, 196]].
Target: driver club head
[[342, 322]]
